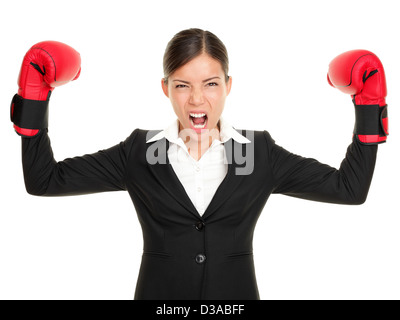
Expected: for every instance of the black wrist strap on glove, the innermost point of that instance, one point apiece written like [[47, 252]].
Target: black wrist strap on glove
[[369, 119], [30, 114]]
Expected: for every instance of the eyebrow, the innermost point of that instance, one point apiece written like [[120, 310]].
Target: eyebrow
[[203, 80]]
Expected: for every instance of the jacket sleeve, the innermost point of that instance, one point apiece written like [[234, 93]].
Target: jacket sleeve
[[97, 172], [309, 179]]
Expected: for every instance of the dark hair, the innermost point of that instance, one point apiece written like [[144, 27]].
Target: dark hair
[[190, 43]]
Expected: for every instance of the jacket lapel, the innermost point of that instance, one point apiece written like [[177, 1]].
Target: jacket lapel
[[230, 182], [167, 177]]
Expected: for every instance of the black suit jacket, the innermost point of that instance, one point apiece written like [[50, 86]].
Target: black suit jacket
[[185, 255]]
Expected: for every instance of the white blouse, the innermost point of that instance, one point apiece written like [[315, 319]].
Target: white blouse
[[200, 178]]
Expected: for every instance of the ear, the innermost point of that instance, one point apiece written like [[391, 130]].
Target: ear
[[229, 85], [164, 87]]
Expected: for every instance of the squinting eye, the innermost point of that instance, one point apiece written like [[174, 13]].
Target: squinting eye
[[180, 86], [212, 84]]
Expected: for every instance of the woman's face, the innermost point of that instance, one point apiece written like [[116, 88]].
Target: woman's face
[[197, 91]]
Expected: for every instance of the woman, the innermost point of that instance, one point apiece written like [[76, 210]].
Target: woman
[[199, 185]]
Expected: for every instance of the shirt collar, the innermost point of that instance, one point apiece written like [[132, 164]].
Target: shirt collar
[[226, 132]]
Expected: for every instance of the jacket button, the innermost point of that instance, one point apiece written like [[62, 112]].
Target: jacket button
[[199, 225], [200, 258]]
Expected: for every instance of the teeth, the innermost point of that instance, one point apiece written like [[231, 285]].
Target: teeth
[[197, 115], [199, 126]]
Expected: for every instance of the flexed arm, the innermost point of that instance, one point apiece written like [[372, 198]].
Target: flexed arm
[[45, 66], [361, 74]]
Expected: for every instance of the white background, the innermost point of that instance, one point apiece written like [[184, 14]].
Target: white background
[[89, 247]]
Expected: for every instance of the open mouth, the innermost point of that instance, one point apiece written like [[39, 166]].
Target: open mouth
[[198, 120]]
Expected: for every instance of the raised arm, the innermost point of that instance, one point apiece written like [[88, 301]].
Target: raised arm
[[360, 74], [45, 66]]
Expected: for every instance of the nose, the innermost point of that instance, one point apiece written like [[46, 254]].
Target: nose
[[196, 97]]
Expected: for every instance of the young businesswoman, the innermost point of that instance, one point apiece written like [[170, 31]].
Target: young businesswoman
[[199, 184]]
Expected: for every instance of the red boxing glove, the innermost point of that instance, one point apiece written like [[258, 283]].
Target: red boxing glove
[[46, 65], [360, 73]]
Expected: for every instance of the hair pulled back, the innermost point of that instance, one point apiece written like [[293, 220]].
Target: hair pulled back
[[190, 43]]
